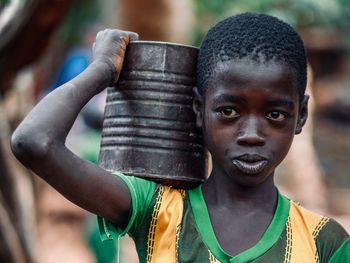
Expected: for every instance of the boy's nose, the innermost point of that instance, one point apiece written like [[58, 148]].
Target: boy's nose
[[250, 133]]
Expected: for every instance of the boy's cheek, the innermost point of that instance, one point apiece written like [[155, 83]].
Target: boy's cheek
[[281, 148]]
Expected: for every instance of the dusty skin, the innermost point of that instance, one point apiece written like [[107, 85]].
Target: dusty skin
[[39, 141]]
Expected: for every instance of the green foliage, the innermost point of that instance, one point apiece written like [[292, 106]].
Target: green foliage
[[82, 14], [3, 3], [328, 14]]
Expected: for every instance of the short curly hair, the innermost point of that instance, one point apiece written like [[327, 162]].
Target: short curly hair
[[254, 36]]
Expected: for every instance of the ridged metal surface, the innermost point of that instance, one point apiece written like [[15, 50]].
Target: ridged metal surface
[[149, 125]]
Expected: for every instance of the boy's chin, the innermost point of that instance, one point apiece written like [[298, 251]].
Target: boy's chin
[[252, 180]]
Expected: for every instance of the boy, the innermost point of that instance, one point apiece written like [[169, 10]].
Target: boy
[[249, 103]]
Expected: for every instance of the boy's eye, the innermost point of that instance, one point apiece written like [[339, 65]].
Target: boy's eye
[[228, 113], [276, 116]]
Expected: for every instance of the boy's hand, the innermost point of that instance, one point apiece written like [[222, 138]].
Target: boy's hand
[[109, 48]]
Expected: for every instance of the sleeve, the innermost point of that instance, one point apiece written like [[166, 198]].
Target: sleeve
[[342, 255], [332, 242], [141, 193]]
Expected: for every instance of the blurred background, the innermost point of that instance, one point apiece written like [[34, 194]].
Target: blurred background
[[43, 44]]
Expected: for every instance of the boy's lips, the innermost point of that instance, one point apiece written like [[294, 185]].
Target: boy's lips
[[250, 163]]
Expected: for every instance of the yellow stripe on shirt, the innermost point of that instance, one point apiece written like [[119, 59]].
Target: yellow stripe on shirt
[[212, 259], [162, 247], [303, 224]]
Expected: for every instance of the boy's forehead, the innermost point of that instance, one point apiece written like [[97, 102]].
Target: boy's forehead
[[236, 75], [249, 69]]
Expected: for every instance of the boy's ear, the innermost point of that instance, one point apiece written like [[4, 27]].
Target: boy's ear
[[303, 114], [198, 108]]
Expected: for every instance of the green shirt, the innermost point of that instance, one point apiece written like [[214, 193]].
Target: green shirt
[[172, 225]]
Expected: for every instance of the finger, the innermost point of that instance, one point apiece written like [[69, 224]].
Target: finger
[[98, 35], [133, 36], [124, 41]]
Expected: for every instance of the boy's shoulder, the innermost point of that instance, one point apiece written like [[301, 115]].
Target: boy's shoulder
[[330, 238], [319, 225]]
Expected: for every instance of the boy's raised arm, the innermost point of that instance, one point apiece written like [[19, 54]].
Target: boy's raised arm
[[39, 141]]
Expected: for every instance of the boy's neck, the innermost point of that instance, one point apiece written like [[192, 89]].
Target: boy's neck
[[222, 189], [239, 215]]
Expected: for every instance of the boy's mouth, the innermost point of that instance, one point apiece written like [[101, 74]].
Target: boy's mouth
[[250, 164]]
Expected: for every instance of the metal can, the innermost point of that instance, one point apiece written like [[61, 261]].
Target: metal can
[[149, 124]]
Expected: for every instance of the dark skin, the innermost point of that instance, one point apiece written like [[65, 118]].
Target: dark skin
[[39, 141], [249, 120], [239, 126]]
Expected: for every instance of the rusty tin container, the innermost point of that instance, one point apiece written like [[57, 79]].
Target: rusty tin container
[[149, 125]]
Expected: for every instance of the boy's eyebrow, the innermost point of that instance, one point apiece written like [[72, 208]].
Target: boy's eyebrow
[[272, 102], [227, 98], [281, 102]]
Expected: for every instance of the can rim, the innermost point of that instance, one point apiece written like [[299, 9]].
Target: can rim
[[161, 43]]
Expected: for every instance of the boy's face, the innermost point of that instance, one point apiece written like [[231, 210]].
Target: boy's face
[[249, 118]]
